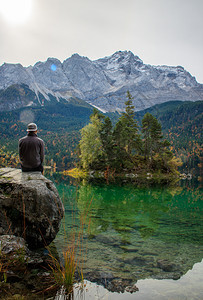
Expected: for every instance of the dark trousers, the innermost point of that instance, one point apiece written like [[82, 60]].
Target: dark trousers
[[39, 168]]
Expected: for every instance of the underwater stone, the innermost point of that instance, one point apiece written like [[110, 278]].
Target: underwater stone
[[165, 265]]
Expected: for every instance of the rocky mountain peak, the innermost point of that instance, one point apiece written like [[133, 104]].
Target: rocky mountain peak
[[119, 58], [52, 64], [76, 60], [104, 82], [12, 74], [126, 56]]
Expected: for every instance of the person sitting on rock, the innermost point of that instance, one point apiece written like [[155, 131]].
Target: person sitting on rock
[[31, 150]]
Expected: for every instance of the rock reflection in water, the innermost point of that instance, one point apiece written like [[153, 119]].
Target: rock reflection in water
[[133, 233], [188, 287]]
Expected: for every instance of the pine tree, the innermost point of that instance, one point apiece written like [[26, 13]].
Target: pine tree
[[106, 136], [155, 148], [126, 130], [152, 137], [146, 130], [156, 136]]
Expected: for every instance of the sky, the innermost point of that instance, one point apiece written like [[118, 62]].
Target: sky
[[160, 32]]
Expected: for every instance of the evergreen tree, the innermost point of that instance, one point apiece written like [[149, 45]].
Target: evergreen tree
[[156, 136], [146, 130], [106, 136], [97, 113], [152, 136], [155, 148], [126, 130]]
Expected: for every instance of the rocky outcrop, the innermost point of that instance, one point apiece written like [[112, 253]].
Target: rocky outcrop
[[24, 274], [30, 207]]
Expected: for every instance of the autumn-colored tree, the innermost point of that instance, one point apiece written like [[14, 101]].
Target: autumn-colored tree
[[91, 148]]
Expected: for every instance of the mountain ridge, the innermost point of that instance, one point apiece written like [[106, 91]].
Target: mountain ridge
[[103, 82]]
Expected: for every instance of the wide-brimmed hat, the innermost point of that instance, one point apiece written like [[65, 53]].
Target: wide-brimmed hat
[[32, 127]]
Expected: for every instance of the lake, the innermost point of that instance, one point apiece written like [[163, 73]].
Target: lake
[[134, 242]]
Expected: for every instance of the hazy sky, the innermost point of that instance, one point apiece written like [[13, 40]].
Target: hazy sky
[[160, 32]]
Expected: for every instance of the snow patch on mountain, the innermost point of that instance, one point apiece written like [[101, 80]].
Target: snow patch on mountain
[[103, 83]]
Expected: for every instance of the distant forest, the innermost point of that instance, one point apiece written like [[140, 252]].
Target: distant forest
[[182, 124], [60, 124]]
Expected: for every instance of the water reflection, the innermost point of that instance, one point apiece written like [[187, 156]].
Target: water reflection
[[124, 208], [188, 287], [127, 208], [133, 233]]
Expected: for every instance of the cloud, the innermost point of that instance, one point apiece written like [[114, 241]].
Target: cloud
[[159, 31]]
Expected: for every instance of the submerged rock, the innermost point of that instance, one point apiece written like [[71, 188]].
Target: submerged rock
[[166, 265], [30, 207]]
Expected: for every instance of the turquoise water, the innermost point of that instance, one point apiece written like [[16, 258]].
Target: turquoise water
[[141, 242]]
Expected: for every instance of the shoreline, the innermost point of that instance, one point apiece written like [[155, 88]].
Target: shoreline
[[136, 177]]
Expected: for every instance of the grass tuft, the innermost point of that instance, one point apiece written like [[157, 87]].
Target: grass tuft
[[64, 274]]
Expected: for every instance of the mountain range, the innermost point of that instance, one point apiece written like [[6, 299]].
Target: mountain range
[[102, 83]]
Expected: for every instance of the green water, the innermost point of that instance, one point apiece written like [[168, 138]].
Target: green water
[[131, 234]]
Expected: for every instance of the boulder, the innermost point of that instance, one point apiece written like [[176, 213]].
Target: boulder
[[30, 207], [11, 244]]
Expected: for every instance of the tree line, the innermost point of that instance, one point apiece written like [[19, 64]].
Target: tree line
[[125, 146]]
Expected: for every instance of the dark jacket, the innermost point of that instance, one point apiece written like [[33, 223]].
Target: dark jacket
[[31, 151]]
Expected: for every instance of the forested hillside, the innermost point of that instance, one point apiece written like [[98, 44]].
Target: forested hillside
[[60, 124], [182, 125]]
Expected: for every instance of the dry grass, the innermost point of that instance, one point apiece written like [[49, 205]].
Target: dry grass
[[64, 274], [68, 269]]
